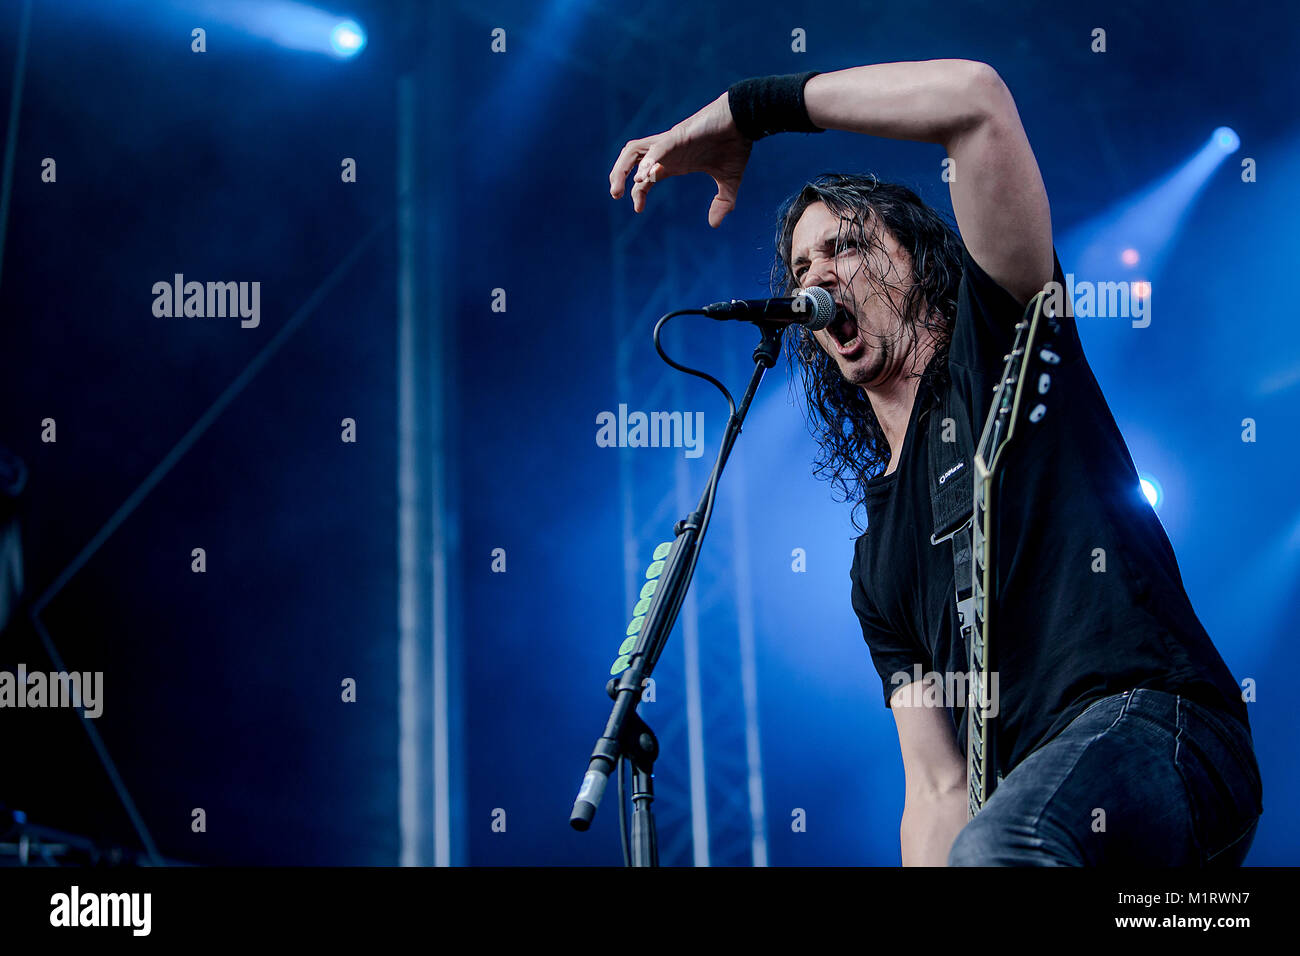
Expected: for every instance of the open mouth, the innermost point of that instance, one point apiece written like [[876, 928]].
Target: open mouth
[[844, 332]]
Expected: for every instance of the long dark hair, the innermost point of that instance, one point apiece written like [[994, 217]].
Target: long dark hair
[[852, 446]]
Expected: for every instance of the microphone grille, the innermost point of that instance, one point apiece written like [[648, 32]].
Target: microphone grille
[[823, 308]]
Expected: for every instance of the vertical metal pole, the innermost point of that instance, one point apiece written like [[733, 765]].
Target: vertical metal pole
[[690, 625], [11, 135], [411, 505], [748, 657], [430, 753]]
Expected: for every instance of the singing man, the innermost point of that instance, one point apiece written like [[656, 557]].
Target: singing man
[[1122, 736]]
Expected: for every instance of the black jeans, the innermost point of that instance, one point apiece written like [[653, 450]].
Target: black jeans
[[1143, 778]]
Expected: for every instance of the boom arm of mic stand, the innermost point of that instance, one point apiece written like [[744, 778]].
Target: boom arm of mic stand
[[679, 568]]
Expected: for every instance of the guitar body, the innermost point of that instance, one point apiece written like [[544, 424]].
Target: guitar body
[[1019, 403]]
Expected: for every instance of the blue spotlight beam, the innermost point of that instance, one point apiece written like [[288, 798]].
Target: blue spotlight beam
[[286, 23], [1147, 221]]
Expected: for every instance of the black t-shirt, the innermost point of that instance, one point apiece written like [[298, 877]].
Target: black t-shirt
[[1067, 632]]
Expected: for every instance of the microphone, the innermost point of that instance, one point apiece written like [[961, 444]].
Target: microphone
[[812, 308]]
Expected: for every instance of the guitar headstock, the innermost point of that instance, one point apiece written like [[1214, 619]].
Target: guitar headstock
[[1021, 396]]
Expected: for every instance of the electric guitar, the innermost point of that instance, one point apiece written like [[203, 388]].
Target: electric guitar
[[1019, 403]]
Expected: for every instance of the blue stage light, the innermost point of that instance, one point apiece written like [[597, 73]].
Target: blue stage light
[[347, 39], [1227, 139], [1151, 490], [1142, 227]]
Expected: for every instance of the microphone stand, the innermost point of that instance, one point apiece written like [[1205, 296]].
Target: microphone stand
[[626, 734]]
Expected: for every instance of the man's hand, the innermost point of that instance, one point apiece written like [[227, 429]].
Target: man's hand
[[706, 142]]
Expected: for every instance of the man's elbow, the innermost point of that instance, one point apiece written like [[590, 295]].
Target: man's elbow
[[938, 779], [973, 95], [989, 97]]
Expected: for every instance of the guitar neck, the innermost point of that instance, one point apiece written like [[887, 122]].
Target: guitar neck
[[1019, 395]]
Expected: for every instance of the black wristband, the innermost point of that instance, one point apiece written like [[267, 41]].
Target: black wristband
[[771, 104]]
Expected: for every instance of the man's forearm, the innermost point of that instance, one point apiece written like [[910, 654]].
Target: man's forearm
[[930, 825], [929, 100]]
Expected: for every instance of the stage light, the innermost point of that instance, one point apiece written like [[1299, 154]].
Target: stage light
[[290, 24], [1227, 139], [347, 39], [1149, 220], [1151, 490]]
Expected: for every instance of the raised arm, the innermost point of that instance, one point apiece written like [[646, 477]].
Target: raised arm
[[998, 195], [997, 190]]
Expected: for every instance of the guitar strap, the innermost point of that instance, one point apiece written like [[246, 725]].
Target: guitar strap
[[952, 484], [952, 456]]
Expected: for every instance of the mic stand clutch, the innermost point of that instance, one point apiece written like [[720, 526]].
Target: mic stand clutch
[[626, 733]]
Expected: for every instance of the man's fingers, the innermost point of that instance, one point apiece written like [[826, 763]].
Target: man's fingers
[[646, 168], [723, 203], [646, 156], [627, 158], [718, 210], [639, 190]]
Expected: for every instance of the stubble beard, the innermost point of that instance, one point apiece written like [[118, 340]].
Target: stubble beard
[[866, 369]]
